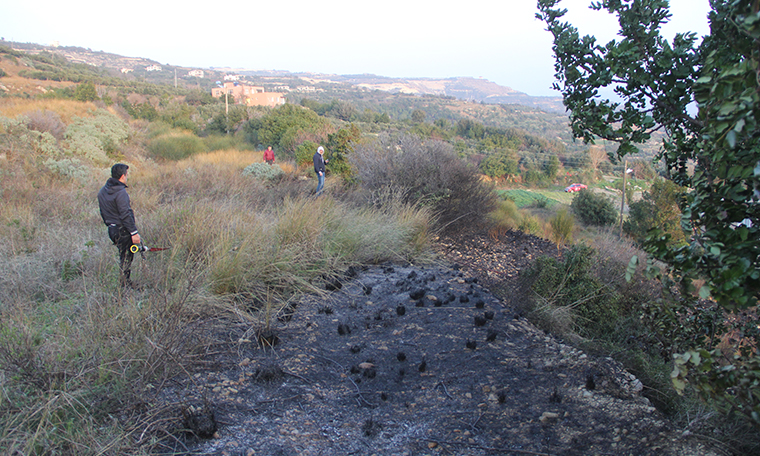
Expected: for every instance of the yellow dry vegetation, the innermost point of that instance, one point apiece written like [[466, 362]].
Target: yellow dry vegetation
[[66, 109], [226, 157], [288, 167]]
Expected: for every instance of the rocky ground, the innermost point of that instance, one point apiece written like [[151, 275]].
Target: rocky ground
[[419, 360]]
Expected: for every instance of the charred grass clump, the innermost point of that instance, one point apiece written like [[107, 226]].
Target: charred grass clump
[[81, 359]]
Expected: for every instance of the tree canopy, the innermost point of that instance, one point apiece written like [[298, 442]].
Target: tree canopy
[[656, 83], [86, 92], [284, 125]]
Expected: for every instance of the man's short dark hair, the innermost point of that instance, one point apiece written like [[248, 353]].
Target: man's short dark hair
[[119, 170]]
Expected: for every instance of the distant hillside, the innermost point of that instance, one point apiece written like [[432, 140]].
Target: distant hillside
[[127, 68], [463, 88], [76, 54]]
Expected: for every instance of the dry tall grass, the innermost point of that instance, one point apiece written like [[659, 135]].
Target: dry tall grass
[[506, 217], [236, 159], [67, 109]]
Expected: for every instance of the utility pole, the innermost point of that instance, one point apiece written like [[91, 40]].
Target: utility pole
[[226, 113], [622, 201]]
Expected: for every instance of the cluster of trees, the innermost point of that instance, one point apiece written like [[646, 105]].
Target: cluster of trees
[[500, 152], [504, 151], [345, 111]]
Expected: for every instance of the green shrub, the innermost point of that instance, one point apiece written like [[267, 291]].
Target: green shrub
[[175, 146], [594, 209], [569, 298], [502, 164], [541, 202], [536, 177], [160, 128], [305, 153], [69, 167], [86, 92], [285, 127], [186, 124], [144, 110], [657, 208], [504, 218], [340, 145], [530, 224], [37, 149], [97, 138], [263, 171], [16, 141]]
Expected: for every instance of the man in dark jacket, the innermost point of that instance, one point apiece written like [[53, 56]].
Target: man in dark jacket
[[118, 216], [319, 168]]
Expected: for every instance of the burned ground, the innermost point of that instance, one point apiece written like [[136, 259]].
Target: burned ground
[[419, 360]]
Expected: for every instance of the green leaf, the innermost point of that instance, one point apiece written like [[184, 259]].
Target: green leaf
[[631, 269], [739, 125], [679, 385], [731, 138], [695, 358], [704, 292], [681, 358]]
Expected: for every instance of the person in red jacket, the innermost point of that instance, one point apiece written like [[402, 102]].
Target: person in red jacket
[[269, 155]]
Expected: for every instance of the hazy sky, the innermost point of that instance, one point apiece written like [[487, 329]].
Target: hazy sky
[[497, 40]]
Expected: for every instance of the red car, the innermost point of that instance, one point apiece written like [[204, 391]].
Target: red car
[[575, 187]]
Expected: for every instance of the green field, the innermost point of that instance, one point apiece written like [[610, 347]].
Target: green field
[[525, 198]]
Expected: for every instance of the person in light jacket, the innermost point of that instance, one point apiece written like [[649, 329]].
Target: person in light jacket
[[319, 168]]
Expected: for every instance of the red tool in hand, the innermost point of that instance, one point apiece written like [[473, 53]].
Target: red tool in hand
[[142, 248]]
